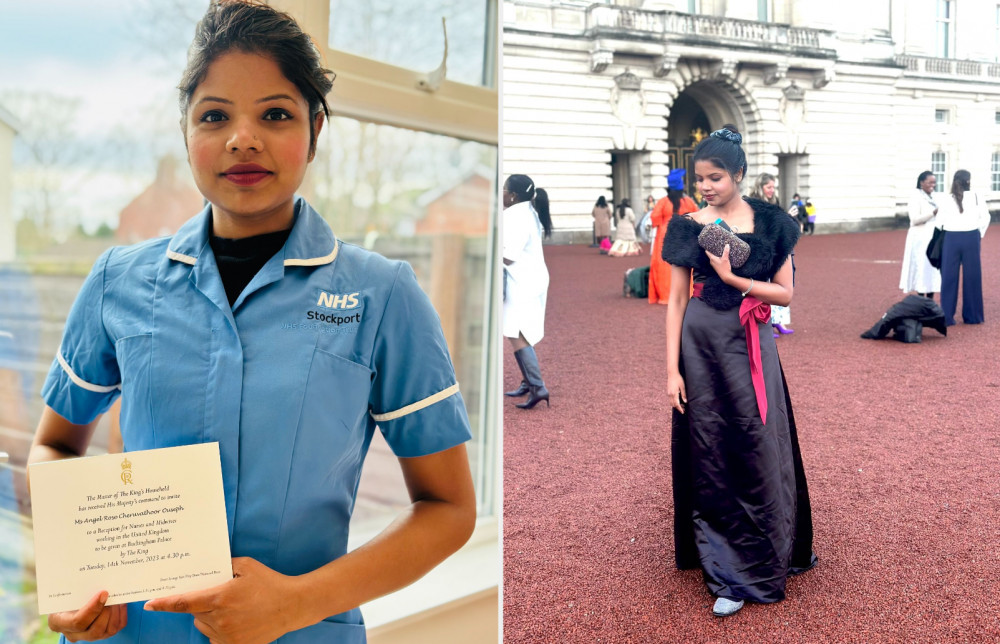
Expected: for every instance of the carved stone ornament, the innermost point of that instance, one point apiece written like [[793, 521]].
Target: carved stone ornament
[[723, 69], [794, 93], [792, 108], [627, 100], [600, 59], [774, 73], [822, 78], [665, 64]]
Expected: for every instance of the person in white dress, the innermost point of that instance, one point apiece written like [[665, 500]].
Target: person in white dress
[[918, 275], [526, 280]]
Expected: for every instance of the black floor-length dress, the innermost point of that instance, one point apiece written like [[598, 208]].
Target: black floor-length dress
[[741, 505]]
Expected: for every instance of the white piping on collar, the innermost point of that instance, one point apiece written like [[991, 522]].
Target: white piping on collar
[[316, 261], [187, 259]]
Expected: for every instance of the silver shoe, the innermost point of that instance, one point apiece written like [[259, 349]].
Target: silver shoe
[[726, 607]]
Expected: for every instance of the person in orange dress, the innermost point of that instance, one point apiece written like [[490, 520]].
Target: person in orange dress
[[676, 202]]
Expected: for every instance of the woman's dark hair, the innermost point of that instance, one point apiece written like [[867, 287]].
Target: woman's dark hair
[[602, 202], [923, 175], [722, 149], [959, 185], [675, 198], [251, 27], [620, 212], [541, 204], [523, 189]]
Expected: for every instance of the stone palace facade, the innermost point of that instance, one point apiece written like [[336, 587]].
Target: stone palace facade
[[845, 102]]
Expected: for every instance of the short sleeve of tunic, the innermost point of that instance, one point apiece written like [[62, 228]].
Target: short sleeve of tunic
[[415, 397], [84, 380]]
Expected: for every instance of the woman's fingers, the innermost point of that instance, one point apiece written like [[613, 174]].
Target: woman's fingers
[[80, 620], [99, 629], [94, 621]]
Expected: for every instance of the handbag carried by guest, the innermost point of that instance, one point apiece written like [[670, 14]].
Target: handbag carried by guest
[[714, 237], [934, 248]]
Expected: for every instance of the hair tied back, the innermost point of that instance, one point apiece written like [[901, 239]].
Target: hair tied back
[[728, 135]]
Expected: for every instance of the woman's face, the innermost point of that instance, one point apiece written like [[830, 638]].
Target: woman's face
[[928, 184], [714, 183], [248, 144], [508, 197], [768, 190]]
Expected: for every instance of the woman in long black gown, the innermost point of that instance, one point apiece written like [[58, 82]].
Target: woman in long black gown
[[741, 507]]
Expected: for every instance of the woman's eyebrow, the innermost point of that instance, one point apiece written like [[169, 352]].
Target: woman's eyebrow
[[214, 99], [275, 97], [272, 97]]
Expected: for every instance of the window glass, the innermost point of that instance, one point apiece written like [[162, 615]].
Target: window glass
[[764, 10], [938, 168], [945, 24], [995, 172], [408, 33], [996, 33]]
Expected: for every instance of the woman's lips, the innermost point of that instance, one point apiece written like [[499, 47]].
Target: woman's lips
[[246, 178]]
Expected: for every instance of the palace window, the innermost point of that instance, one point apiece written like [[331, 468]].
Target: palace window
[[945, 41], [937, 167], [996, 32], [765, 10], [995, 172], [942, 115]]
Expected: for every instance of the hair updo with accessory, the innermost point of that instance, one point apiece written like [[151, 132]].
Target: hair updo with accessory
[[524, 189], [722, 149]]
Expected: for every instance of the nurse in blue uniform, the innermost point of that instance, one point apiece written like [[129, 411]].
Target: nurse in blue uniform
[[256, 327]]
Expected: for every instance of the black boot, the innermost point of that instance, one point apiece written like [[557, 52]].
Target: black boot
[[522, 390], [533, 374]]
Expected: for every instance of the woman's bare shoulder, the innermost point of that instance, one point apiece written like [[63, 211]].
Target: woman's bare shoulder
[[702, 216]]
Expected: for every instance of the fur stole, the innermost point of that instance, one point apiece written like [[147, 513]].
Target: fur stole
[[774, 236]]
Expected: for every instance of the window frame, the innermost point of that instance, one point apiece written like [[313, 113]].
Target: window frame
[[765, 10], [374, 91], [996, 33], [946, 49], [939, 160]]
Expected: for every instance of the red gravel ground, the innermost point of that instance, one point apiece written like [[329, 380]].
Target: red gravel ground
[[901, 445]]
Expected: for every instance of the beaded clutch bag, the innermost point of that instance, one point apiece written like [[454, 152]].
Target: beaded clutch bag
[[714, 238]]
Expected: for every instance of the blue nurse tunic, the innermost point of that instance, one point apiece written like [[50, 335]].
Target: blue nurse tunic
[[326, 342]]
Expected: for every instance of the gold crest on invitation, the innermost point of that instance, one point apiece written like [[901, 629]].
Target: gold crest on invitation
[[127, 472]]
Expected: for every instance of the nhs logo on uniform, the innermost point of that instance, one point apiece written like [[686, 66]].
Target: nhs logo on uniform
[[341, 301]]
